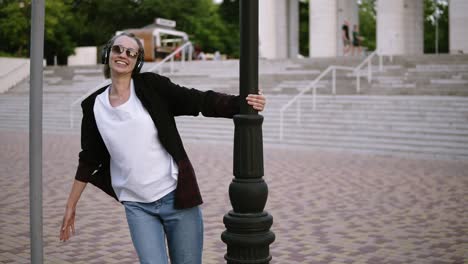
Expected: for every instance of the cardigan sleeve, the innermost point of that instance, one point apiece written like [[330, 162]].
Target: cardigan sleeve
[[189, 101], [90, 156]]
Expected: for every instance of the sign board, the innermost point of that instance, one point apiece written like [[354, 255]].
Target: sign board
[[165, 22]]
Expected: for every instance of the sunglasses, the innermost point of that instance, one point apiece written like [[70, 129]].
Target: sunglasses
[[131, 53]]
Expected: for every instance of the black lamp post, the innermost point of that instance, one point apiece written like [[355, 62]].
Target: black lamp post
[[248, 234]]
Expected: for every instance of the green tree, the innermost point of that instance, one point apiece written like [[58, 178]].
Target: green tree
[[367, 20], [91, 23], [229, 13], [436, 14], [59, 27], [99, 20], [304, 27], [15, 27], [15, 19], [367, 23], [198, 18]]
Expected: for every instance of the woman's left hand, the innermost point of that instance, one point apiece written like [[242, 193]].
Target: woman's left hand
[[257, 101]]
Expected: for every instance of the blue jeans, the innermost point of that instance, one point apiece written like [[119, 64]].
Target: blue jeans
[[151, 223]]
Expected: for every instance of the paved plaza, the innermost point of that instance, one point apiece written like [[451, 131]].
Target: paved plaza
[[328, 207]]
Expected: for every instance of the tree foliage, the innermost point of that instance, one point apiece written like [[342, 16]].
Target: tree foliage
[[71, 23], [59, 27], [367, 23], [229, 13], [304, 28], [436, 14], [198, 18], [15, 28]]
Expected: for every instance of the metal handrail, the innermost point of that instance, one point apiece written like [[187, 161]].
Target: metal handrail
[[313, 86], [158, 67], [368, 61], [171, 58]]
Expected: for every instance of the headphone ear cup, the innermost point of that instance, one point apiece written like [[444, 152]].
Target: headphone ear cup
[[139, 63]]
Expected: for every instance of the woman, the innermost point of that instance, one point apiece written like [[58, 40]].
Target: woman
[[356, 41], [345, 37], [131, 149]]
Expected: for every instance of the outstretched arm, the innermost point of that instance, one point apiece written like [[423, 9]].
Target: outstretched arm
[[68, 223]]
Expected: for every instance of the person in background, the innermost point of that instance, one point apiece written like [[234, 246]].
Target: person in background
[[217, 56], [201, 56], [131, 150], [345, 37], [356, 41]]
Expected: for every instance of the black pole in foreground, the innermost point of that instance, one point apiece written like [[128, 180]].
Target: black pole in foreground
[[35, 130], [248, 236]]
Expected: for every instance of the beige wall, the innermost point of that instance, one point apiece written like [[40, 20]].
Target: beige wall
[[83, 56]]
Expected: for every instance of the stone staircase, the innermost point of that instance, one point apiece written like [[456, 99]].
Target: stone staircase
[[383, 119], [12, 72], [409, 75]]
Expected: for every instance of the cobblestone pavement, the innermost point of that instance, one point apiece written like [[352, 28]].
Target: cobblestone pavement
[[328, 207]]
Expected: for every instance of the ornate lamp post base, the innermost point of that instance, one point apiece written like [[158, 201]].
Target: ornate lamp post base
[[248, 236]]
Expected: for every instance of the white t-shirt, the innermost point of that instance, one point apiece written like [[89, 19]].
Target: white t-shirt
[[141, 168]]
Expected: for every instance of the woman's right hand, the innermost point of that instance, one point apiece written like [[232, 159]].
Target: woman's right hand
[[68, 224]]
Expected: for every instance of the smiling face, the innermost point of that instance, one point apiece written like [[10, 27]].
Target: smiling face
[[119, 62]]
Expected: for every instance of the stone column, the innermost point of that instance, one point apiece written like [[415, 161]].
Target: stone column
[[400, 27], [322, 28], [347, 10], [273, 29], [293, 28], [413, 14], [458, 26]]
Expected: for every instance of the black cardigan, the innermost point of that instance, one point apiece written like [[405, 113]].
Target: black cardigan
[[163, 100]]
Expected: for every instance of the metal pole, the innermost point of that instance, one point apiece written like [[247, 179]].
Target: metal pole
[[183, 56], [369, 71], [380, 63], [334, 81], [248, 234], [281, 126], [71, 116], [299, 106], [190, 52], [358, 82], [172, 64], [35, 130], [437, 34], [314, 94]]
